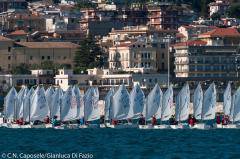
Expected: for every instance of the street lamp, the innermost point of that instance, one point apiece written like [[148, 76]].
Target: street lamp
[[168, 40]]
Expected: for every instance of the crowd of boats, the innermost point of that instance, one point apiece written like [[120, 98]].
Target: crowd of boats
[[55, 108]]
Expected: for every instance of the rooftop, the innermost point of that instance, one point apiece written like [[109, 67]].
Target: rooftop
[[18, 32], [191, 43], [46, 45], [221, 32], [2, 38]]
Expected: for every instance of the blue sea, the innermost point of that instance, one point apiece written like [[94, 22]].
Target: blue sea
[[122, 143]]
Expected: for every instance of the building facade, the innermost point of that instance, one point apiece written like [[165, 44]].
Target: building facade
[[216, 54]]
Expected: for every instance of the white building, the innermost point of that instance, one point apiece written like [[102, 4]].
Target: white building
[[106, 78]]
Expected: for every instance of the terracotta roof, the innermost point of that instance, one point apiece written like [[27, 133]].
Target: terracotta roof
[[48, 45], [2, 38], [221, 32], [18, 32], [191, 43], [180, 35]]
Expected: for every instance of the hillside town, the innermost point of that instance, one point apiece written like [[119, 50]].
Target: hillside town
[[108, 43]]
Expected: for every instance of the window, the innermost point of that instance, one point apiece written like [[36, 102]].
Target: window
[[162, 55], [42, 57], [31, 57], [9, 57], [150, 80], [64, 57], [9, 66], [163, 46], [163, 66], [26, 81], [48, 57], [9, 49]]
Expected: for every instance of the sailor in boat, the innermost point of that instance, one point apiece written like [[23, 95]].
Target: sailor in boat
[[129, 121], [192, 120], [154, 120], [114, 122], [81, 120], [54, 121], [218, 118], [172, 120], [102, 121], [47, 120], [141, 120], [225, 120], [21, 121]]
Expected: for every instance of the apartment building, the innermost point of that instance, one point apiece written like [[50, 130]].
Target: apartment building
[[215, 54]]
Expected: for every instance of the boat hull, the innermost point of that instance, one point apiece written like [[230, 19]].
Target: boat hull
[[201, 126], [229, 126]]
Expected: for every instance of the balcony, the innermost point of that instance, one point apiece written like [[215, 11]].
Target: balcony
[[181, 62], [180, 54], [181, 70]]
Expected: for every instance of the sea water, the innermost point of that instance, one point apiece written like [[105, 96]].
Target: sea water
[[121, 143]]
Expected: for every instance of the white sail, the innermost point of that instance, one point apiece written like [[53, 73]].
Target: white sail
[[18, 103], [20, 99], [49, 96], [91, 108], [198, 102], [153, 104], [108, 104], [27, 105], [236, 108], [79, 97], [121, 103], [56, 103], [10, 103], [69, 106], [182, 104], [137, 100], [209, 103], [227, 99], [39, 109], [167, 104]]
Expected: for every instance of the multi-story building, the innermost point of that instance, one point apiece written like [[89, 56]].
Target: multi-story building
[[215, 54], [13, 54], [106, 79], [191, 32], [167, 16], [6, 5], [219, 6], [132, 55]]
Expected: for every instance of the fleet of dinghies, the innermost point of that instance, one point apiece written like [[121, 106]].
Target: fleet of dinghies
[[55, 108]]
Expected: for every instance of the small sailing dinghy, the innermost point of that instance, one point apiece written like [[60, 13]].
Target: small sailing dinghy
[[208, 107], [121, 107], [91, 108], [167, 106], [182, 107], [153, 106], [108, 109]]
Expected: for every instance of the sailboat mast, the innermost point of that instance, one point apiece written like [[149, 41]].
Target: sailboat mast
[[146, 100]]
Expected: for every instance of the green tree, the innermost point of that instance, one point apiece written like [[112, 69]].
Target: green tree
[[216, 16], [85, 4], [89, 55], [234, 10], [21, 69]]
